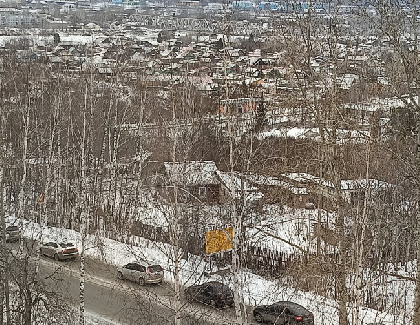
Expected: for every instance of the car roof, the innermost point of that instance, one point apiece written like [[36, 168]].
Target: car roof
[[296, 308], [134, 263], [212, 282], [217, 284]]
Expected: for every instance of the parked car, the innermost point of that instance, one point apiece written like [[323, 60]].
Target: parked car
[[283, 312], [59, 251], [141, 274], [12, 233], [211, 293]]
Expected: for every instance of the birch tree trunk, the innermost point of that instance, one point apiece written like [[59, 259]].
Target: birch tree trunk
[[22, 198], [416, 313], [50, 158], [4, 285], [83, 215], [334, 165], [342, 246], [5, 291], [240, 313], [175, 225], [359, 242]]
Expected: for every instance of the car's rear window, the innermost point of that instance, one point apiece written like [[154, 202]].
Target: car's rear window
[[155, 268], [220, 287], [299, 310], [12, 228], [66, 244]]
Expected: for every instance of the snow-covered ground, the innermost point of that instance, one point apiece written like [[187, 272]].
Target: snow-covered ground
[[257, 290], [94, 319], [343, 136]]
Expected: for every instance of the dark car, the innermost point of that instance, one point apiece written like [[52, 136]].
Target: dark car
[[282, 313], [211, 293]]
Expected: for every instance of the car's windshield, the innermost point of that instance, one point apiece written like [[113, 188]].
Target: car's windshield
[[12, 228]]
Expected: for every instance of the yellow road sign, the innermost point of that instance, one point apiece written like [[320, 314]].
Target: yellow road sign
[[219, 240]]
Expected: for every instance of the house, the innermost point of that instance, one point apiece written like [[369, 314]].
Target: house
[[202, 183], [354, 191], [196, 181], [237, 184], [302, 190], [347, 80], [238, 105], [279, 190], [202, 82]]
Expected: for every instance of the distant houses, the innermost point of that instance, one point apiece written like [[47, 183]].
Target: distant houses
[[202, 183], [302, 190]]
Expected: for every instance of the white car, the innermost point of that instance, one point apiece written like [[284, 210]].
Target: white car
[[59, 251], [141, 274]]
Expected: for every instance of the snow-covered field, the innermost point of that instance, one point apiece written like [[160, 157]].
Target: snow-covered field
[[257, 290]]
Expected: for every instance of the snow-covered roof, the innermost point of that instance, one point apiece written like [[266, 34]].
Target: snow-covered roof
[[307, 178], [346, 185], [274, 181], [384, 104], [347, 80], [240, 184], [343, 136], [297, 133], [357, 184]]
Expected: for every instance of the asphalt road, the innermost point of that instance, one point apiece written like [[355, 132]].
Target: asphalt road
[[117, 302], [123, 302]]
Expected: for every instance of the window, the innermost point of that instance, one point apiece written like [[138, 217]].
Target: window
[[202, 191], [155, 268], [138, 267]]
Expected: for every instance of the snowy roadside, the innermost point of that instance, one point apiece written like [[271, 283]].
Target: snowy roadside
[[256, 291], [94, 319]]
